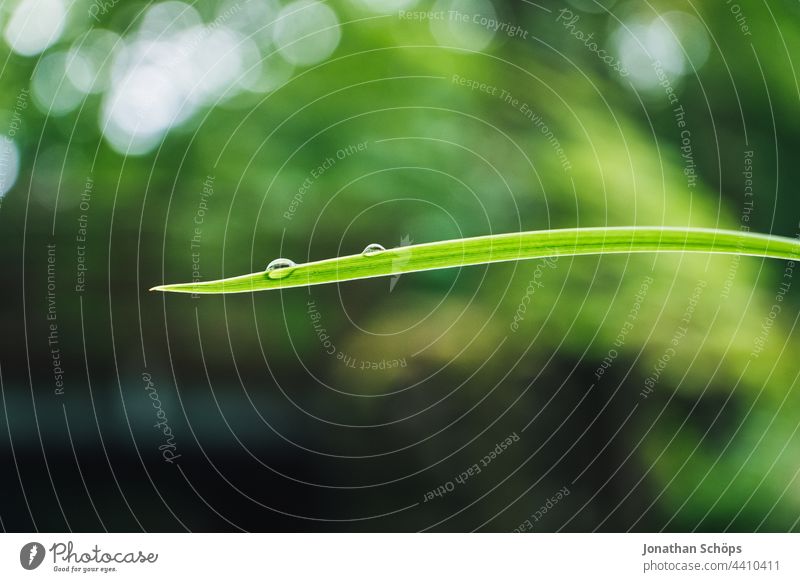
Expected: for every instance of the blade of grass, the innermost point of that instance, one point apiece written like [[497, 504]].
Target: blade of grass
[[501, 247]]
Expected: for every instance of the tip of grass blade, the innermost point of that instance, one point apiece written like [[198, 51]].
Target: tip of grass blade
[[174, 288]]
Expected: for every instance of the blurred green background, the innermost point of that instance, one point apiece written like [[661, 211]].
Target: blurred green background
[[151, 142]]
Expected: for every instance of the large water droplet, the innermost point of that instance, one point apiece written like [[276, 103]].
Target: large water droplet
[[373, 249], [279, 268]]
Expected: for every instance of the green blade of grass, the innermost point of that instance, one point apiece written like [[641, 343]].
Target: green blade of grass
[[501, 247]]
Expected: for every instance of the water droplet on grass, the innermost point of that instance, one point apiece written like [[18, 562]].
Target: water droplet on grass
[[279, 268], [373, 249]]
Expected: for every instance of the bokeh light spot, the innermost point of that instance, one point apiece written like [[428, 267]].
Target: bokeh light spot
[[9, 164], [35, 25], [306, 32], [89, 65], [676, 40], [53, 91], [466, 24]]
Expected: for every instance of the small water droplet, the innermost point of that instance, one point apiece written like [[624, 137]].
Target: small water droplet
[[279, 268], [373, 249]]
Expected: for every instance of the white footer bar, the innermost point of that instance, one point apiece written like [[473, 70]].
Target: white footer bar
[[401, 557]]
